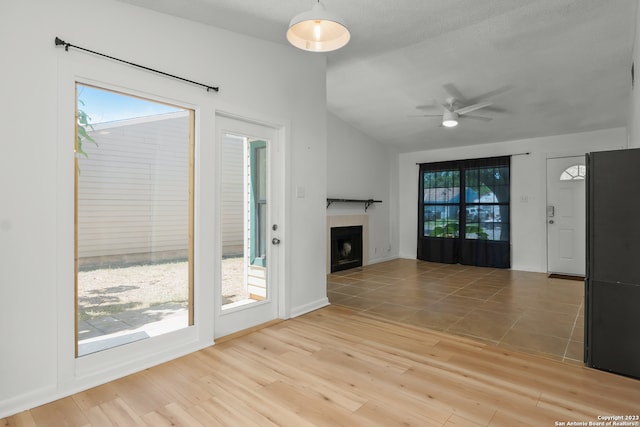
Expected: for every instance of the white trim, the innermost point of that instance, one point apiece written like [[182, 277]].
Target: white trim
[[49, 394], [29, 400], [379, 260], [309, 307], [77, 374], [278, 273]]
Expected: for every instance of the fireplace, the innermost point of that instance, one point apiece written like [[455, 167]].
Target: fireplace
[[346, 248]]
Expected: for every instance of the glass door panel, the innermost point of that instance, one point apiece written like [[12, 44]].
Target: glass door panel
[[487, 203], [134, 218], [247, 226], [440, 200], [244, 220]]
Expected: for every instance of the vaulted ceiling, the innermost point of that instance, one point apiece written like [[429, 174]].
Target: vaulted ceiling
[[548, 66]]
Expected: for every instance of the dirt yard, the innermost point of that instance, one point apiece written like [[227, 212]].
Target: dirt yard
[[103, 292]]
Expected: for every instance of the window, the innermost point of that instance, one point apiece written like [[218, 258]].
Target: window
[[575, 172], [464, 212], [244, 220], [134, 218], [441, 203], [258, 203], [487, 203]]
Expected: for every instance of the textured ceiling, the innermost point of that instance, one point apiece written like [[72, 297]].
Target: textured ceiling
[[549, 66]]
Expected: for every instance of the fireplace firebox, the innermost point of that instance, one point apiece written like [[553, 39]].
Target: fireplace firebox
[[346, 248]]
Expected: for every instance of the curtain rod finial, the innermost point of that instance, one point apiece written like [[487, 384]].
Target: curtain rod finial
[[60, 42]]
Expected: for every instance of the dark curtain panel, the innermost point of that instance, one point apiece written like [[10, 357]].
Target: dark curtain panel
[[463, 212]]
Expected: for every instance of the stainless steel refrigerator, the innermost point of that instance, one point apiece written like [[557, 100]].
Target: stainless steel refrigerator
[[612, 285]]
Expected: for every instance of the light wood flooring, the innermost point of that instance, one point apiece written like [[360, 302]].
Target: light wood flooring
[[339, 367], [512, 309]]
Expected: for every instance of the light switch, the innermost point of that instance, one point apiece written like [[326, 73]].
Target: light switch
[[300, 192]]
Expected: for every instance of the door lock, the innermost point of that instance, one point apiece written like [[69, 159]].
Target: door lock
[[275, 241], [551, 221], [551, 211]]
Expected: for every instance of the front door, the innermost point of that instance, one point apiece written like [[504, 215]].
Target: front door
[[249, 225], [566, 215]]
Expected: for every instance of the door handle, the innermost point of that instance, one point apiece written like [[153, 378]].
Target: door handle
[[275, 241], [551, 221]]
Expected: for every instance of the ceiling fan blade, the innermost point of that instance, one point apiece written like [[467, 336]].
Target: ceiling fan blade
[[474, 107], [491, 93], [453, 92], [484, 119], [427, 107], [495, 109], [425, 115]]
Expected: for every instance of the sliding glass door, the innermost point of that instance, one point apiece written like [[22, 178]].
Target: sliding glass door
[[439, 213], [464, 212]]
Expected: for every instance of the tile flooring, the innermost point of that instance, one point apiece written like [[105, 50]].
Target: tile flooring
[[518, 310]]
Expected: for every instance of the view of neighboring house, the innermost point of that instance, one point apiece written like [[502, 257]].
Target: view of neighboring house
[[142, 228]]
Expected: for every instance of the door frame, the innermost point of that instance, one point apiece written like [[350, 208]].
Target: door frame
[[555, 157], [96, 368], [231, 320]]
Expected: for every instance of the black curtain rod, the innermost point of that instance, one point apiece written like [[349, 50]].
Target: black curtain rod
[[508, 155], [60, 42]]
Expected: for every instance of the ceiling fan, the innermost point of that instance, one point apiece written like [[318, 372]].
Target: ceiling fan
[[454, 111], [457, 107]]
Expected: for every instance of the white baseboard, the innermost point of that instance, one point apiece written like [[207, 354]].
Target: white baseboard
[[51, 393], [306, 308], [379, 260], [27, 401]]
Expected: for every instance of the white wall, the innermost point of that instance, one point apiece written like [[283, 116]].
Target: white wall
[[528, 187], [257, 79], [360, 168]]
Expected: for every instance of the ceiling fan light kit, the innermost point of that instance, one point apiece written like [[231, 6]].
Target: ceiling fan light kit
[[318, 30], [449, 119]]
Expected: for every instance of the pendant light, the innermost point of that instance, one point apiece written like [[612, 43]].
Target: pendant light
[[317, 30]]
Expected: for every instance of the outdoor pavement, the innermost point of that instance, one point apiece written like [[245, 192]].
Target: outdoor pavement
[[129, 326]]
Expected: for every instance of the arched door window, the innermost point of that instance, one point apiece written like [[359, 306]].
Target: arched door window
[[574, 172]]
